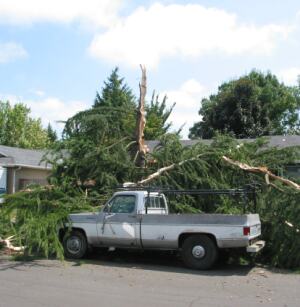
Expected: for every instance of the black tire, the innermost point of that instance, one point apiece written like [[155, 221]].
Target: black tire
[[199, 252], [75, 244]]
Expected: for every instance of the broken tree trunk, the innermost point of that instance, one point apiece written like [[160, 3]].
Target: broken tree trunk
[[141, 121], [261, 170]]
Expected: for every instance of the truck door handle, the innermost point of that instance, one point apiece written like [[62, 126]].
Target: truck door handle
[[109, 216]]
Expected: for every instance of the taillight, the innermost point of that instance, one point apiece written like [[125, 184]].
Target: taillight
[[246, 231]]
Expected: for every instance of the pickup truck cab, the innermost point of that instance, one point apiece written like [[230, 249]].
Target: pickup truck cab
[[141, 220]]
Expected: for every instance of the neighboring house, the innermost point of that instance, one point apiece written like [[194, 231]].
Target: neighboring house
[[20, 167]]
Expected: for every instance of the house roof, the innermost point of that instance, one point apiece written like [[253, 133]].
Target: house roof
[[281, 141], [14, 156], [278, 141]]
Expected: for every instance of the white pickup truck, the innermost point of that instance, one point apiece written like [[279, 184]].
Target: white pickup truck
[[141, 220]]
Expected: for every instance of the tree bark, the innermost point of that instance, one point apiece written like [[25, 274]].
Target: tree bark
[[165, 169], [262, 170], [141, 121]]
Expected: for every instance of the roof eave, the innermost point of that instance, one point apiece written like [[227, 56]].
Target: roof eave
[[49, 168]]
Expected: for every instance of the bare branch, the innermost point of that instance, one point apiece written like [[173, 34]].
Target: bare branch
[[165, 169], [262, 170], [9, 246]]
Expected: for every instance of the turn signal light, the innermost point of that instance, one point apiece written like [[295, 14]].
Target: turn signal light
[[246, 231]]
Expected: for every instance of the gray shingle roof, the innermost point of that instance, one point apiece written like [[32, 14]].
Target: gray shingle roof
[[278, 141], [13, 156], [282, 141]]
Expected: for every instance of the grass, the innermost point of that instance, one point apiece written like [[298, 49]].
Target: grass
[[296, 271]]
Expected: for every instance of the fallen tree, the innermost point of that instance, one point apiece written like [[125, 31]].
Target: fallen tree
[[32, 218], [36, 213]]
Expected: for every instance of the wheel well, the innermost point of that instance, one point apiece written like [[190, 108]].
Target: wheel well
[[185, 235], [63, 231]]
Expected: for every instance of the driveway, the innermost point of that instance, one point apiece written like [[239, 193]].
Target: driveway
[[142, 280]]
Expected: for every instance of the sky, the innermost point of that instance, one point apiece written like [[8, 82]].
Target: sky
[[55, 54]]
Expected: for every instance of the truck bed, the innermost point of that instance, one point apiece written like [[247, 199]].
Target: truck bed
[[163, 230]]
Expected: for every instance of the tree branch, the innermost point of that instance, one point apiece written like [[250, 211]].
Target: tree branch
[[262, 170], [165, 169]]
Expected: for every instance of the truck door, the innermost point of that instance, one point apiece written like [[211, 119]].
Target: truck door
[[119, 225]]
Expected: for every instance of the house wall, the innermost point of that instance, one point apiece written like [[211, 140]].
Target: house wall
[[26, 176], [10, 180]]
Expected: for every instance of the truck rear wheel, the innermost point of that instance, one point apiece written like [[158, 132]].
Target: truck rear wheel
[[199, 252], [75, 244]]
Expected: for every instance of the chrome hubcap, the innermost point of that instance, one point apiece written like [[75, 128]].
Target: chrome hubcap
[[198, 251], [73, 245]]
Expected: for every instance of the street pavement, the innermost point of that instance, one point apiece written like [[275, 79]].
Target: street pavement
[[146, 280]]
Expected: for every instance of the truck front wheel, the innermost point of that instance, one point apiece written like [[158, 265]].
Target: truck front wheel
[[75, 244], [199, 252]]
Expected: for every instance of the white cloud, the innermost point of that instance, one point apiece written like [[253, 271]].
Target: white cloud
[[289, 76], [52, 109], [49, 109], [147, 35], [91, 12], [11, 51], [37, 92], [187, 98]]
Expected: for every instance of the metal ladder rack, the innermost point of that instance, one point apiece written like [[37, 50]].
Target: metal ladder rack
[[248, 192]]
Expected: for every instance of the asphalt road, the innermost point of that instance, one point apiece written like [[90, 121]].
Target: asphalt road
[[141, 280]]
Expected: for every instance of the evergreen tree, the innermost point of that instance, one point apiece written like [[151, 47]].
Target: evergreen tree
[[52, 135], [157, 115], [99, 137], [96, 138], [111, 117], [118, 103]]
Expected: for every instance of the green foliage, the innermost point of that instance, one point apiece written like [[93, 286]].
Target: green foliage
[[100, 141], [108, 164], [157, 115], [36, 215], [280, 213], [51, 133], [118, 103], [18, 129], [113, 115], [96, 154], [251, 106], [276, 205]]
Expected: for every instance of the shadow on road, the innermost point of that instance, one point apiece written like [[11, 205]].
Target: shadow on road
[[22, 265], [157, 261], [140, 260]]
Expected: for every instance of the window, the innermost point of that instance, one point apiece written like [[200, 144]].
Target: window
[[121, 204], [155, 202]]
